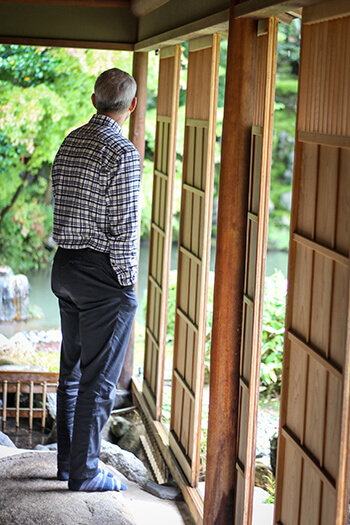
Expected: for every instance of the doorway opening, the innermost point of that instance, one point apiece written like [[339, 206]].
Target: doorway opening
[[276, 268]]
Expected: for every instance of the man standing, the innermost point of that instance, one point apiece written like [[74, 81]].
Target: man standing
[[96, 183]]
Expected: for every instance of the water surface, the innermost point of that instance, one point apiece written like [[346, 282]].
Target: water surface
[[41, 295]]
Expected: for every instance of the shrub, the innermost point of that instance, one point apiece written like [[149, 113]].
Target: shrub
[[171, 313], [273, 334], [24, 232]]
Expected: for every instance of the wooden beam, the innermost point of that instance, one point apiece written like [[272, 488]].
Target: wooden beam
[[267, 8], [143, 7], [217, 23], [230, 263], [326, 11], [123, 4], [344, 449], [53, 42]]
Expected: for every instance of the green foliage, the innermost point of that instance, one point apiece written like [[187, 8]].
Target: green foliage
[[273, 328], [152, 80], [172, 310], [171, 307], [273, 334], [27, 66], [45, 92], [146, 198], [222, 72], [284, 132], [288, 47], [23, 234], [166, 406]]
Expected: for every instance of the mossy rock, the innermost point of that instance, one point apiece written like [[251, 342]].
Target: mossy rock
[[5, 361]]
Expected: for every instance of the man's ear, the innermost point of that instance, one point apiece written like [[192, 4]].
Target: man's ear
[[133, 104], [93, 100]]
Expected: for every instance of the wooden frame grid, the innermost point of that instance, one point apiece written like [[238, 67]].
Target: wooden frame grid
[[313, 450], [160, 237], [19, 382], [194, 252]]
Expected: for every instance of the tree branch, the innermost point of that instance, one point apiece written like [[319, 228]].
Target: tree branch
[[14, 198]]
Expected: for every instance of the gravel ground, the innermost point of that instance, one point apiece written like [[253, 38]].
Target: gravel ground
[[268, 419]]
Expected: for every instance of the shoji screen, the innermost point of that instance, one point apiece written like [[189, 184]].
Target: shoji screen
[[160, 238], [313, 455], [194, 251]]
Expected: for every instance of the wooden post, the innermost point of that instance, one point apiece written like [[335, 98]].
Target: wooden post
[[137, 137], [138, 117], [230, 264]]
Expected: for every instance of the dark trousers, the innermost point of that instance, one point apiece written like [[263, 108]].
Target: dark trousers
[[96, 319]]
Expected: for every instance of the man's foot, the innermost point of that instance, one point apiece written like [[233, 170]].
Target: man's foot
[[63, 475], [102, 482]]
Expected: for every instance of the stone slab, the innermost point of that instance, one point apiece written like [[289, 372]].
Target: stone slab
[[31, 494]]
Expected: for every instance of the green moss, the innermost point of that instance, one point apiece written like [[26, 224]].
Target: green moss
[[286, 85]]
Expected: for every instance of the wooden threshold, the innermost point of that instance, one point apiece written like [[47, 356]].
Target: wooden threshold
[[191, 495]]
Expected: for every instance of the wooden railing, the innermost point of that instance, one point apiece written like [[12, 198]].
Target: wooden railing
[[25, 382]]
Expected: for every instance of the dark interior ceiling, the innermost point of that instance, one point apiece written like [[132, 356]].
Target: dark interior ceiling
[[140, 25]]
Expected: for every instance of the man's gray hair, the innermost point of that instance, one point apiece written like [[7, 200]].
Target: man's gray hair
[[114, 91]]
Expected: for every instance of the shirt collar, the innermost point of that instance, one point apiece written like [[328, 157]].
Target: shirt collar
[[103, 120]]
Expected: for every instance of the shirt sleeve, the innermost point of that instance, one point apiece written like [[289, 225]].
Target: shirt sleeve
[[123, 209]]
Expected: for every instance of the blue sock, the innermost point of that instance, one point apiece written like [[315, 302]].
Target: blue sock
[[63, 475], [102, 482]]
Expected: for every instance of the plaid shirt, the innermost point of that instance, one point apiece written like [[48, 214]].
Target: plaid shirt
[[96, 184]]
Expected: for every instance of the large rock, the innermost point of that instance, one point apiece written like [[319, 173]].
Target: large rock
[[6, 441], [119, 426], [163, 491], [131, 440], [4, 342], [263, 475], [31, 494], [14, 295], [124, 461]]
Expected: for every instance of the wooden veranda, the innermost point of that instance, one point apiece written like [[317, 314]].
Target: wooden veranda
[[313, 450]]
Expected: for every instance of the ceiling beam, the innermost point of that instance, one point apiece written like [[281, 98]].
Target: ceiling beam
[[143, 7], [217, 23], [55, 42], [137, 7], [265, 8], [125, 4]]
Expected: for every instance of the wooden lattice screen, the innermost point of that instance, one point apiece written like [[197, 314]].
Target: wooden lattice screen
[[194, 253], [25, 382], [257, 221], [160, 237], [313, 450]]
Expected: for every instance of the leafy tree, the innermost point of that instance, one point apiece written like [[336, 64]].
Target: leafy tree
[[284, 132], [288, 47], [273, 334], [45, 93]]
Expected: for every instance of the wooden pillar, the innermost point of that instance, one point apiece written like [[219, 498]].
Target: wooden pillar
[[137, 137], [229, 273], [138, 117]]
